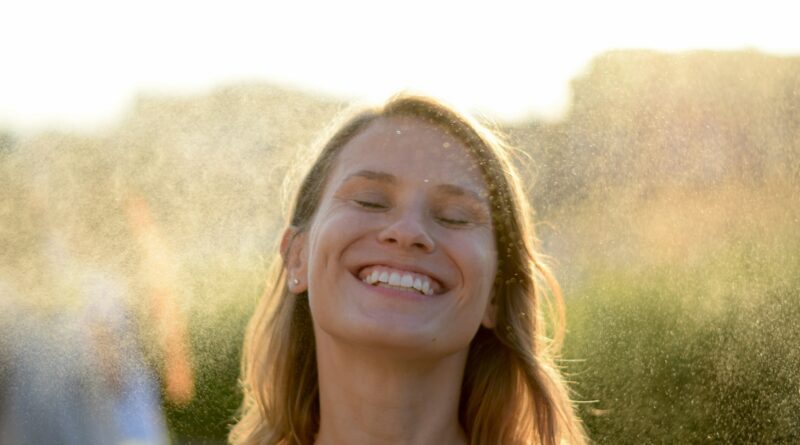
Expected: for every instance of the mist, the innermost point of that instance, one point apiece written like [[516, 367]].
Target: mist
[[667, 197]]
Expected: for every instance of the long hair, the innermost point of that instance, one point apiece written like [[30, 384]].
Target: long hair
[[512, 392]]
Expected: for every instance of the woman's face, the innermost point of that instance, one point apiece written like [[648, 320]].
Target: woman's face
[[401, 251]]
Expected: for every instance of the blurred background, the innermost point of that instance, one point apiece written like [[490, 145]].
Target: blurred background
[[144, 150]]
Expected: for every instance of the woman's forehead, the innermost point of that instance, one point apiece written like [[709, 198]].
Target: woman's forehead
[[410, 148]]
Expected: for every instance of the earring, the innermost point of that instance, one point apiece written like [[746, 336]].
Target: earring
[[295, 281]]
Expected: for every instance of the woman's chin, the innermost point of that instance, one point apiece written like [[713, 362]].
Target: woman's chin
[[393, 336], [391, 321]]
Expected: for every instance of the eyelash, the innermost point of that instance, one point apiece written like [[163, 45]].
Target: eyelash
[[370, 205], [454, 222]]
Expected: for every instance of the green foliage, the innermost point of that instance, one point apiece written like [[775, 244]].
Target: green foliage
[[226, 296], [659, 365]]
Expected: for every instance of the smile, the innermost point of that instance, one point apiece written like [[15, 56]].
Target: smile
[[398, 279]]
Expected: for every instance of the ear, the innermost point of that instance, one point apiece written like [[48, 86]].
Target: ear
[[490, 314], [293, 251]]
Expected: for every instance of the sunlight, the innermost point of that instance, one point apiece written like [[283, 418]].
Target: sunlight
[[82, 63]]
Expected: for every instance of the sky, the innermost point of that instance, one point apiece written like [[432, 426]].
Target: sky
[[81, 64]]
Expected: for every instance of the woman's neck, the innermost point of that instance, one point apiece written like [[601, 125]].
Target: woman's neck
[[369, 398]]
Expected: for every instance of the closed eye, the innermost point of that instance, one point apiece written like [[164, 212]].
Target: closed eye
[[453, 222], [369, 204]]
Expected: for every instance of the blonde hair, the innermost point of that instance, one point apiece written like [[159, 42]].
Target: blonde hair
[[512, 392]]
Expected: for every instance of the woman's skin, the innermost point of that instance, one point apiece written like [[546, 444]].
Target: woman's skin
[[404, 197]]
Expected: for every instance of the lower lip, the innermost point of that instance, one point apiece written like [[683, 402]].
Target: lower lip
[[393, 292]]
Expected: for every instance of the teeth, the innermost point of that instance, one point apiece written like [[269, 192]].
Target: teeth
[[373, 277], [400, 280]]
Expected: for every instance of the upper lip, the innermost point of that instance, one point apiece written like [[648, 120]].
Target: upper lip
[[402, 266]]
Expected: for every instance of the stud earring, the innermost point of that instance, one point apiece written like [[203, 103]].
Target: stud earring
[[295, 281]]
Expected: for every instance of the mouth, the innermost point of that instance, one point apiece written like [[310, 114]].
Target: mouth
[[390, 277]]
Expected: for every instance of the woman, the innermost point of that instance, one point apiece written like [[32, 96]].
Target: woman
[[407, 307]]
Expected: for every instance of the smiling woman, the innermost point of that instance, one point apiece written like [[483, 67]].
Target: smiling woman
[[407, 303]]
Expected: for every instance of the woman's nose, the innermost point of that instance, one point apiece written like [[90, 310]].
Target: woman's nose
[[407, 231]]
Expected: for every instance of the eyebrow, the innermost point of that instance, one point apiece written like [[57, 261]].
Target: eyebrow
[[447, 189], [373, 176], [455, 190]]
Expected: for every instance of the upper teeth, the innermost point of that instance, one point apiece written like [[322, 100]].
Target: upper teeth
[[407, 280]]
